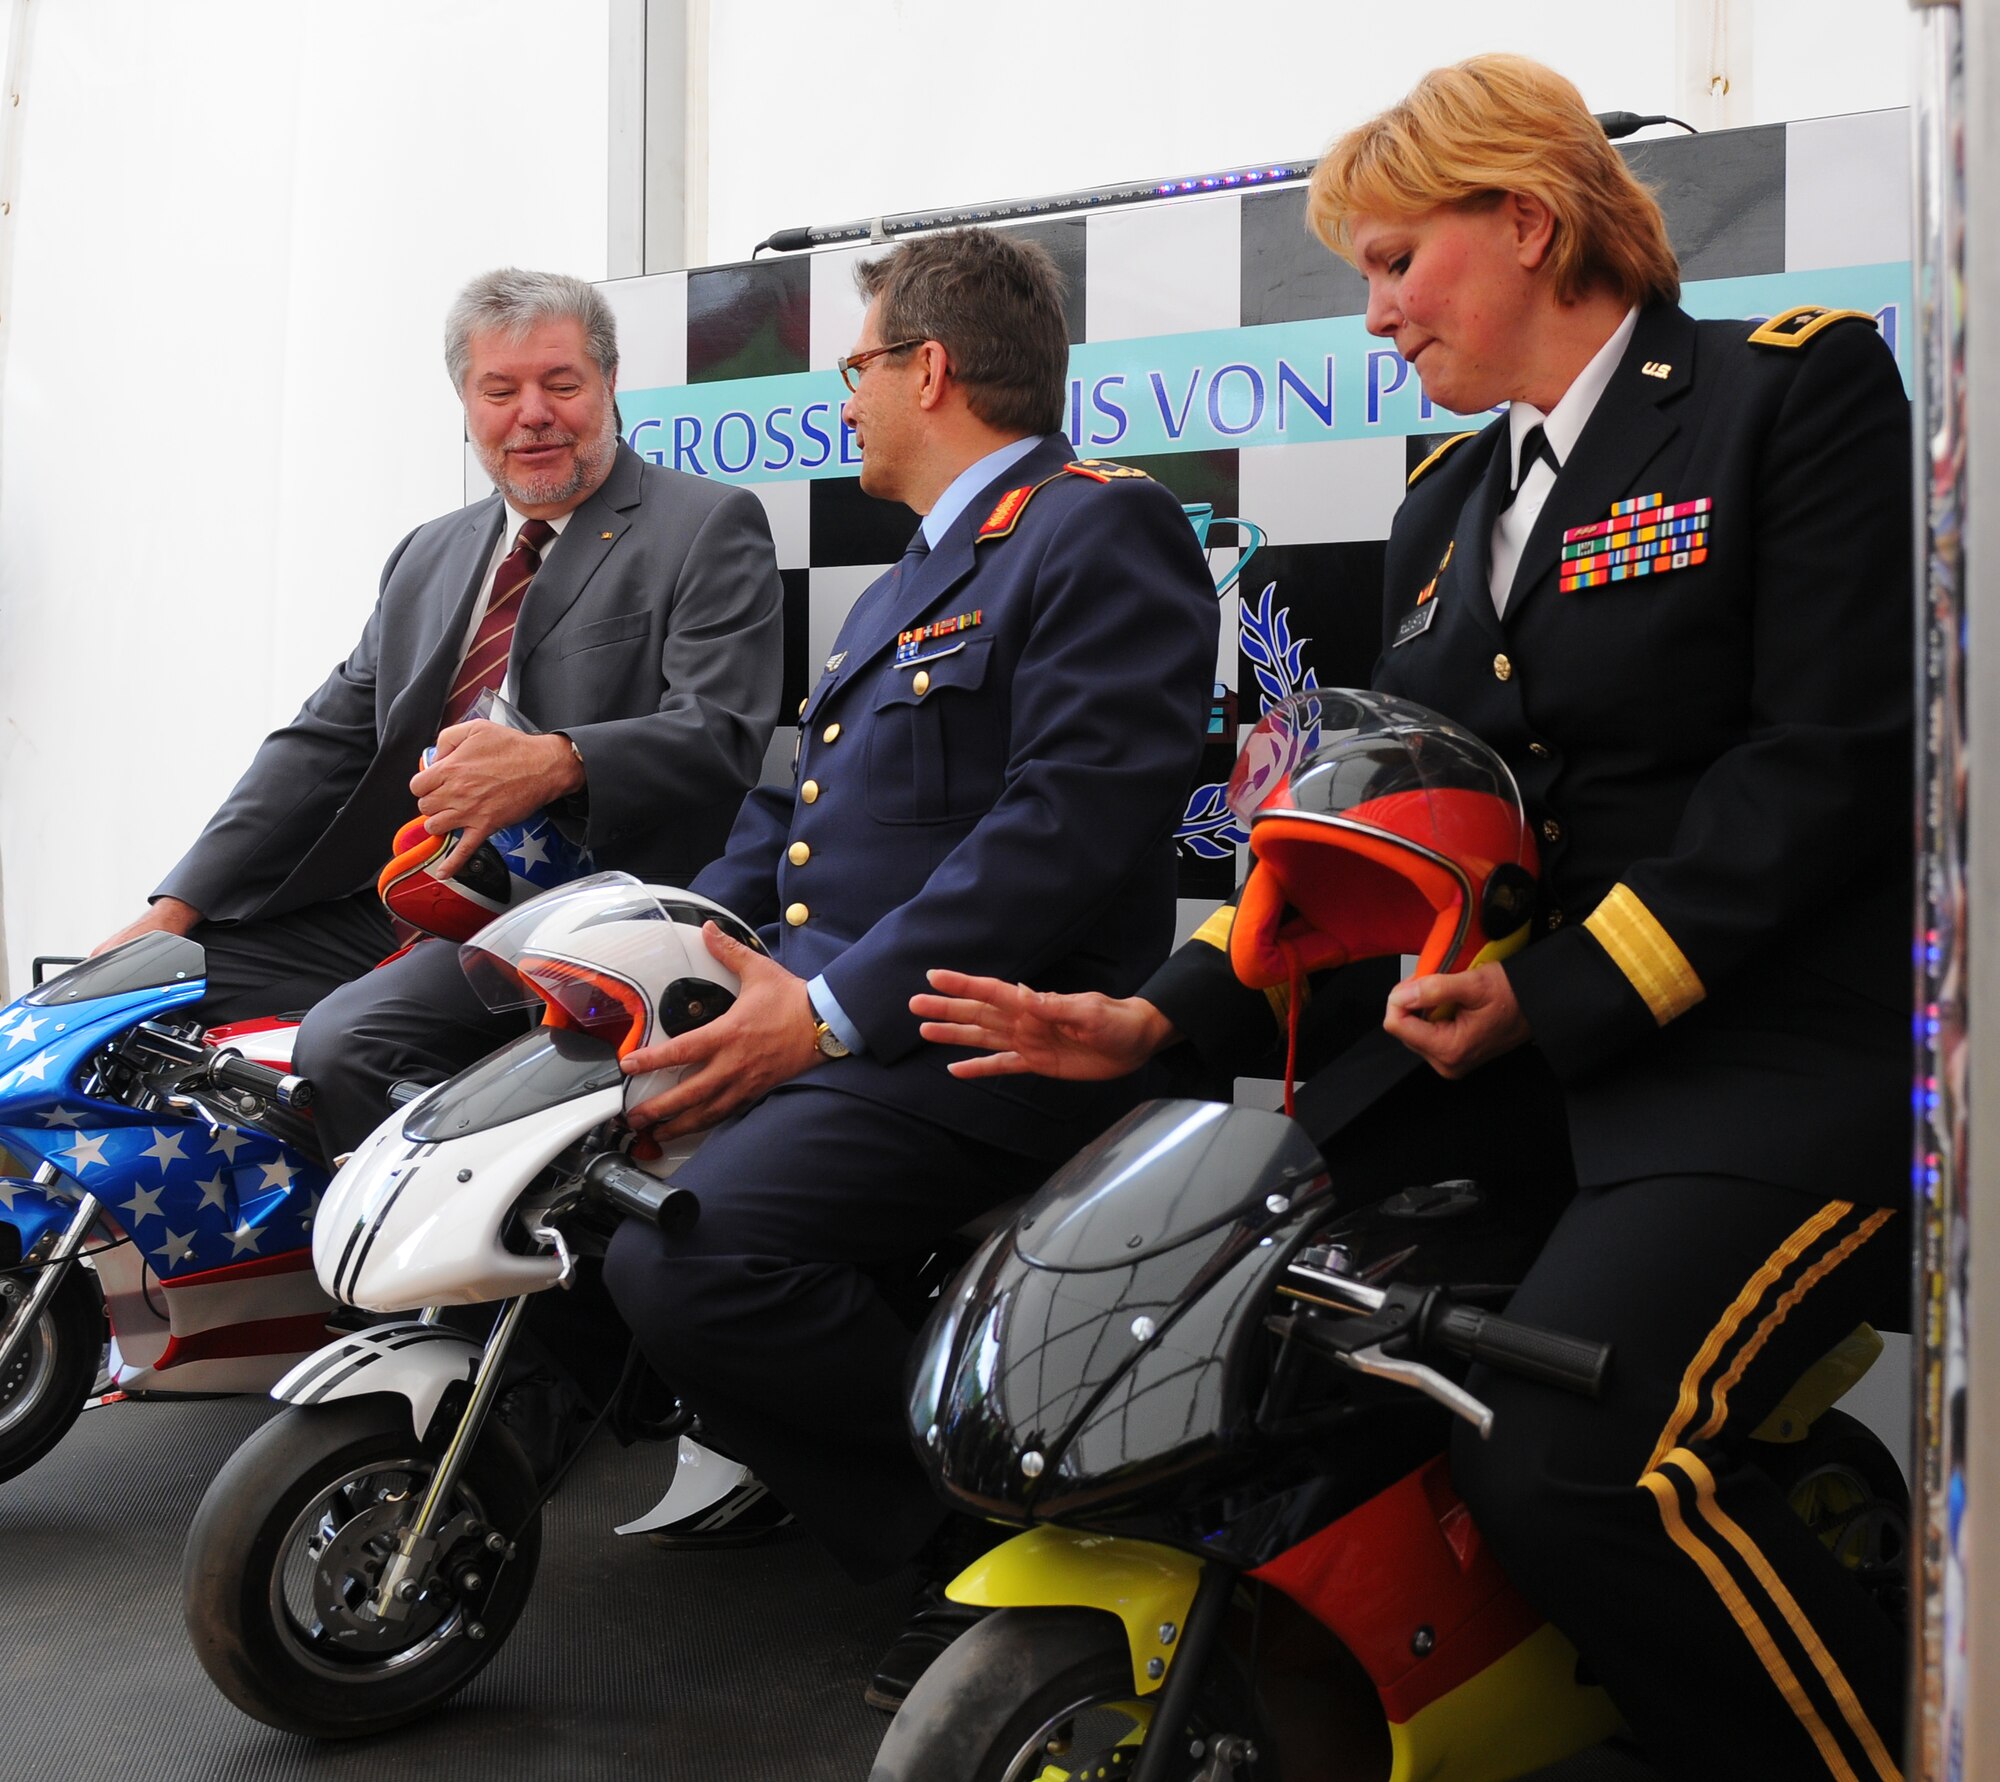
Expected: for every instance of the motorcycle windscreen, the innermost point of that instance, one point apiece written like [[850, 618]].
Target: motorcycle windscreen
[[1169, 1171], [152, 962], [1146, 1257], [540, 1070]]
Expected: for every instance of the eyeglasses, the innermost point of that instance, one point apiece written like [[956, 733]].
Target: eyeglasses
[[855, 364]]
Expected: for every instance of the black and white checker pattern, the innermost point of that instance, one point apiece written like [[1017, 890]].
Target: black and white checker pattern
[[1789, 199]]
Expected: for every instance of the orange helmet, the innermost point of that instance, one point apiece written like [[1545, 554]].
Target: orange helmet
[[1376, 827]]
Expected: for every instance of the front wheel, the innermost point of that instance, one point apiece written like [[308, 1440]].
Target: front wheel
[[46, 1380], [1045, 1695], [290, 1543]]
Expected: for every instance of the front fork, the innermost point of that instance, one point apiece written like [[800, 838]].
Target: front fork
[[417, 1551], [54, 1266]]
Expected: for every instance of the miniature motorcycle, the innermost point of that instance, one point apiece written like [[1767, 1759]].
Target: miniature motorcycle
[[1203, 1377], [370, 1548], [175, 1179]]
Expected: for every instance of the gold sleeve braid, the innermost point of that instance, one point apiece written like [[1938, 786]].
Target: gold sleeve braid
[[1215, 931], [1645, 952]]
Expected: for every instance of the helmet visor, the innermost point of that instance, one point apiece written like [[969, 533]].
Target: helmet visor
[[1369, 761], [521, 959]]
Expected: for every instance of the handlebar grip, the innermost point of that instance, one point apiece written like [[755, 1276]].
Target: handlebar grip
[[234, 1071], [608, 1177], [1541, 1355]]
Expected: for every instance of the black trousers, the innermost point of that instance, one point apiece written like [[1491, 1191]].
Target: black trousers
[[1730, 1639], [365, 1028], [766, 1319]]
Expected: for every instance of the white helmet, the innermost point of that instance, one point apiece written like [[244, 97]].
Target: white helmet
[[618, 958]]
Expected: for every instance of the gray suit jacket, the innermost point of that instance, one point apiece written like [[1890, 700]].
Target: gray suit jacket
[[652, 637]]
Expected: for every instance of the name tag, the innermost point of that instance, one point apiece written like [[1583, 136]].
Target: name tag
[[1415, 624]]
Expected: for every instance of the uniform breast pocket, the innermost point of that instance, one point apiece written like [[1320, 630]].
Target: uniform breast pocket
[[937, 737], [601, 633]]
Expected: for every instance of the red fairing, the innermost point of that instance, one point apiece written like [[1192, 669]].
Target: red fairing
[[1408, 1558]]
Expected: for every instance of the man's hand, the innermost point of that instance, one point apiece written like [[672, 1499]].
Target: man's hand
[[1476, 1019], [484, 776], [1083, 1037], [764, 1040], [168, 915]]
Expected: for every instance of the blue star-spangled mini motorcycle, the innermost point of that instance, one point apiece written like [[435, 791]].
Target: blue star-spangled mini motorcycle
[[175, 1179]]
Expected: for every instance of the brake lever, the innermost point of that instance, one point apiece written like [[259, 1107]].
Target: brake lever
[[1378, 1361]]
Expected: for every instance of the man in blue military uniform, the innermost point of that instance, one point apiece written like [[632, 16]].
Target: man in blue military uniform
[[990, 769]]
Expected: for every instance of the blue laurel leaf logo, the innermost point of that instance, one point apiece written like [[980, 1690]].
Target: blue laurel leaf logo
[[1209, 829]]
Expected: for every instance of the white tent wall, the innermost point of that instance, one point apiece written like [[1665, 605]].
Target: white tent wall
[[818, 114], [236, 230]]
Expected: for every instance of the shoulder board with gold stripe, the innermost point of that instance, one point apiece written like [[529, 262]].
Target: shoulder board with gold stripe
[[1797, 326], [1008, 510], [1102, 470], [1417, 475]]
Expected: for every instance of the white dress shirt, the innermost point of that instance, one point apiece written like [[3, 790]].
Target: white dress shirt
[[502, 546]]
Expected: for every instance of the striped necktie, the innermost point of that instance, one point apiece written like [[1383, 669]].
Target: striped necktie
[[485, 663]]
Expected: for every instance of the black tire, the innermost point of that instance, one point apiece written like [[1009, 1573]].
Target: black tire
[[288, 1542], [988, 1707], [1845, 1485], [44, 1386]]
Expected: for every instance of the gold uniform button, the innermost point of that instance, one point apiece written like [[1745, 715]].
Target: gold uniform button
[[810, 791], [796, 914], [1552, 831], [798, 853], [1503, 670], [920, 682], [803, 703], [830, 734], [1555, 919], [1541, 751]]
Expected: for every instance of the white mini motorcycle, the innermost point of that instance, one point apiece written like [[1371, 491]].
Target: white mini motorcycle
[[366, 1552]]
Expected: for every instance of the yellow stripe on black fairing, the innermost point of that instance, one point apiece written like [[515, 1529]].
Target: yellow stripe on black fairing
[[1645, 952]]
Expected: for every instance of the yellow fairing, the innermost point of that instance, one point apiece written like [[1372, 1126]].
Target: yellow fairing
[[1144, 1585], [1519, 1715]]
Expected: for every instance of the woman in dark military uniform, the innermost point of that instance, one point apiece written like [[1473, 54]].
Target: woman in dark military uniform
[[1671, 587]]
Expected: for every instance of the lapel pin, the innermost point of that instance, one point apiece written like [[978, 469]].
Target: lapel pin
[[604, 535], [1656, 368]]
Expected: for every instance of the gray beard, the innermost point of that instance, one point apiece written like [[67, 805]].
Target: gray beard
[[590, 467]]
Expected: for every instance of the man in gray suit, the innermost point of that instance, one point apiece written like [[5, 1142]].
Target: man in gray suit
[[646, 648]]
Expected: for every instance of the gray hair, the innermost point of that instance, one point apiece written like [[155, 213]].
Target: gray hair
[[510, 301]]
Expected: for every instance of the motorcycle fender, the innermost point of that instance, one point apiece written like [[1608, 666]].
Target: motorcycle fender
[[421, 1362], [1146, 1586], [33, 1212]]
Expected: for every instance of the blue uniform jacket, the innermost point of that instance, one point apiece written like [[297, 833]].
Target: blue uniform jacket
[[999, 797]]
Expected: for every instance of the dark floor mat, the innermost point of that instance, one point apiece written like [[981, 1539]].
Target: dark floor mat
[[628, 1661]]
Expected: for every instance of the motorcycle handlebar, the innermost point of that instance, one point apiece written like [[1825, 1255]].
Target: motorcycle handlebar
[[1544, 1356], [608, 1177], [233, 1071]]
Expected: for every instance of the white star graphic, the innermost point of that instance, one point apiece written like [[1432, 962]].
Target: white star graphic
[[228, 1141], [61, 1116], [88, 1149], [7, 1017], [7, 1192], [531, 852], [26, 1030], [165, 1149], [175, 1250], [311, 1207], [35, 1070], [244, 1237], [277, 1174], [145, 1203], [214, 1189]]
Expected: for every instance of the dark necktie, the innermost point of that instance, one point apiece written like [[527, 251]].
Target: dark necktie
[[1534, 444], [485, 664]]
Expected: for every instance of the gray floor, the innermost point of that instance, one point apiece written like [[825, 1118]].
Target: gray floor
[[627, 1663]]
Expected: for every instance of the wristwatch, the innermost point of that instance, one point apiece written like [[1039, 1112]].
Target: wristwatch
[[829, 1043]]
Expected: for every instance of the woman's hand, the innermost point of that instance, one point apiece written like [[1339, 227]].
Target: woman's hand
[[1038, 1032], [1476, 1019]]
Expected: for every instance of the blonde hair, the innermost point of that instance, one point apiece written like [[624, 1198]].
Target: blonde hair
[[1471, 133]]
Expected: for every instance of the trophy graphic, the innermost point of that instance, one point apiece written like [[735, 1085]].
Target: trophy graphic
[[1201, 516]]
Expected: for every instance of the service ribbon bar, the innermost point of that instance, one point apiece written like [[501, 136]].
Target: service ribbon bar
[[909, 642], [1644, 536]]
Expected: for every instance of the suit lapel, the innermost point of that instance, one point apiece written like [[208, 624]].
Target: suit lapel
[[1465, 578], [416, 708], [592, 532], [1632, 422]]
